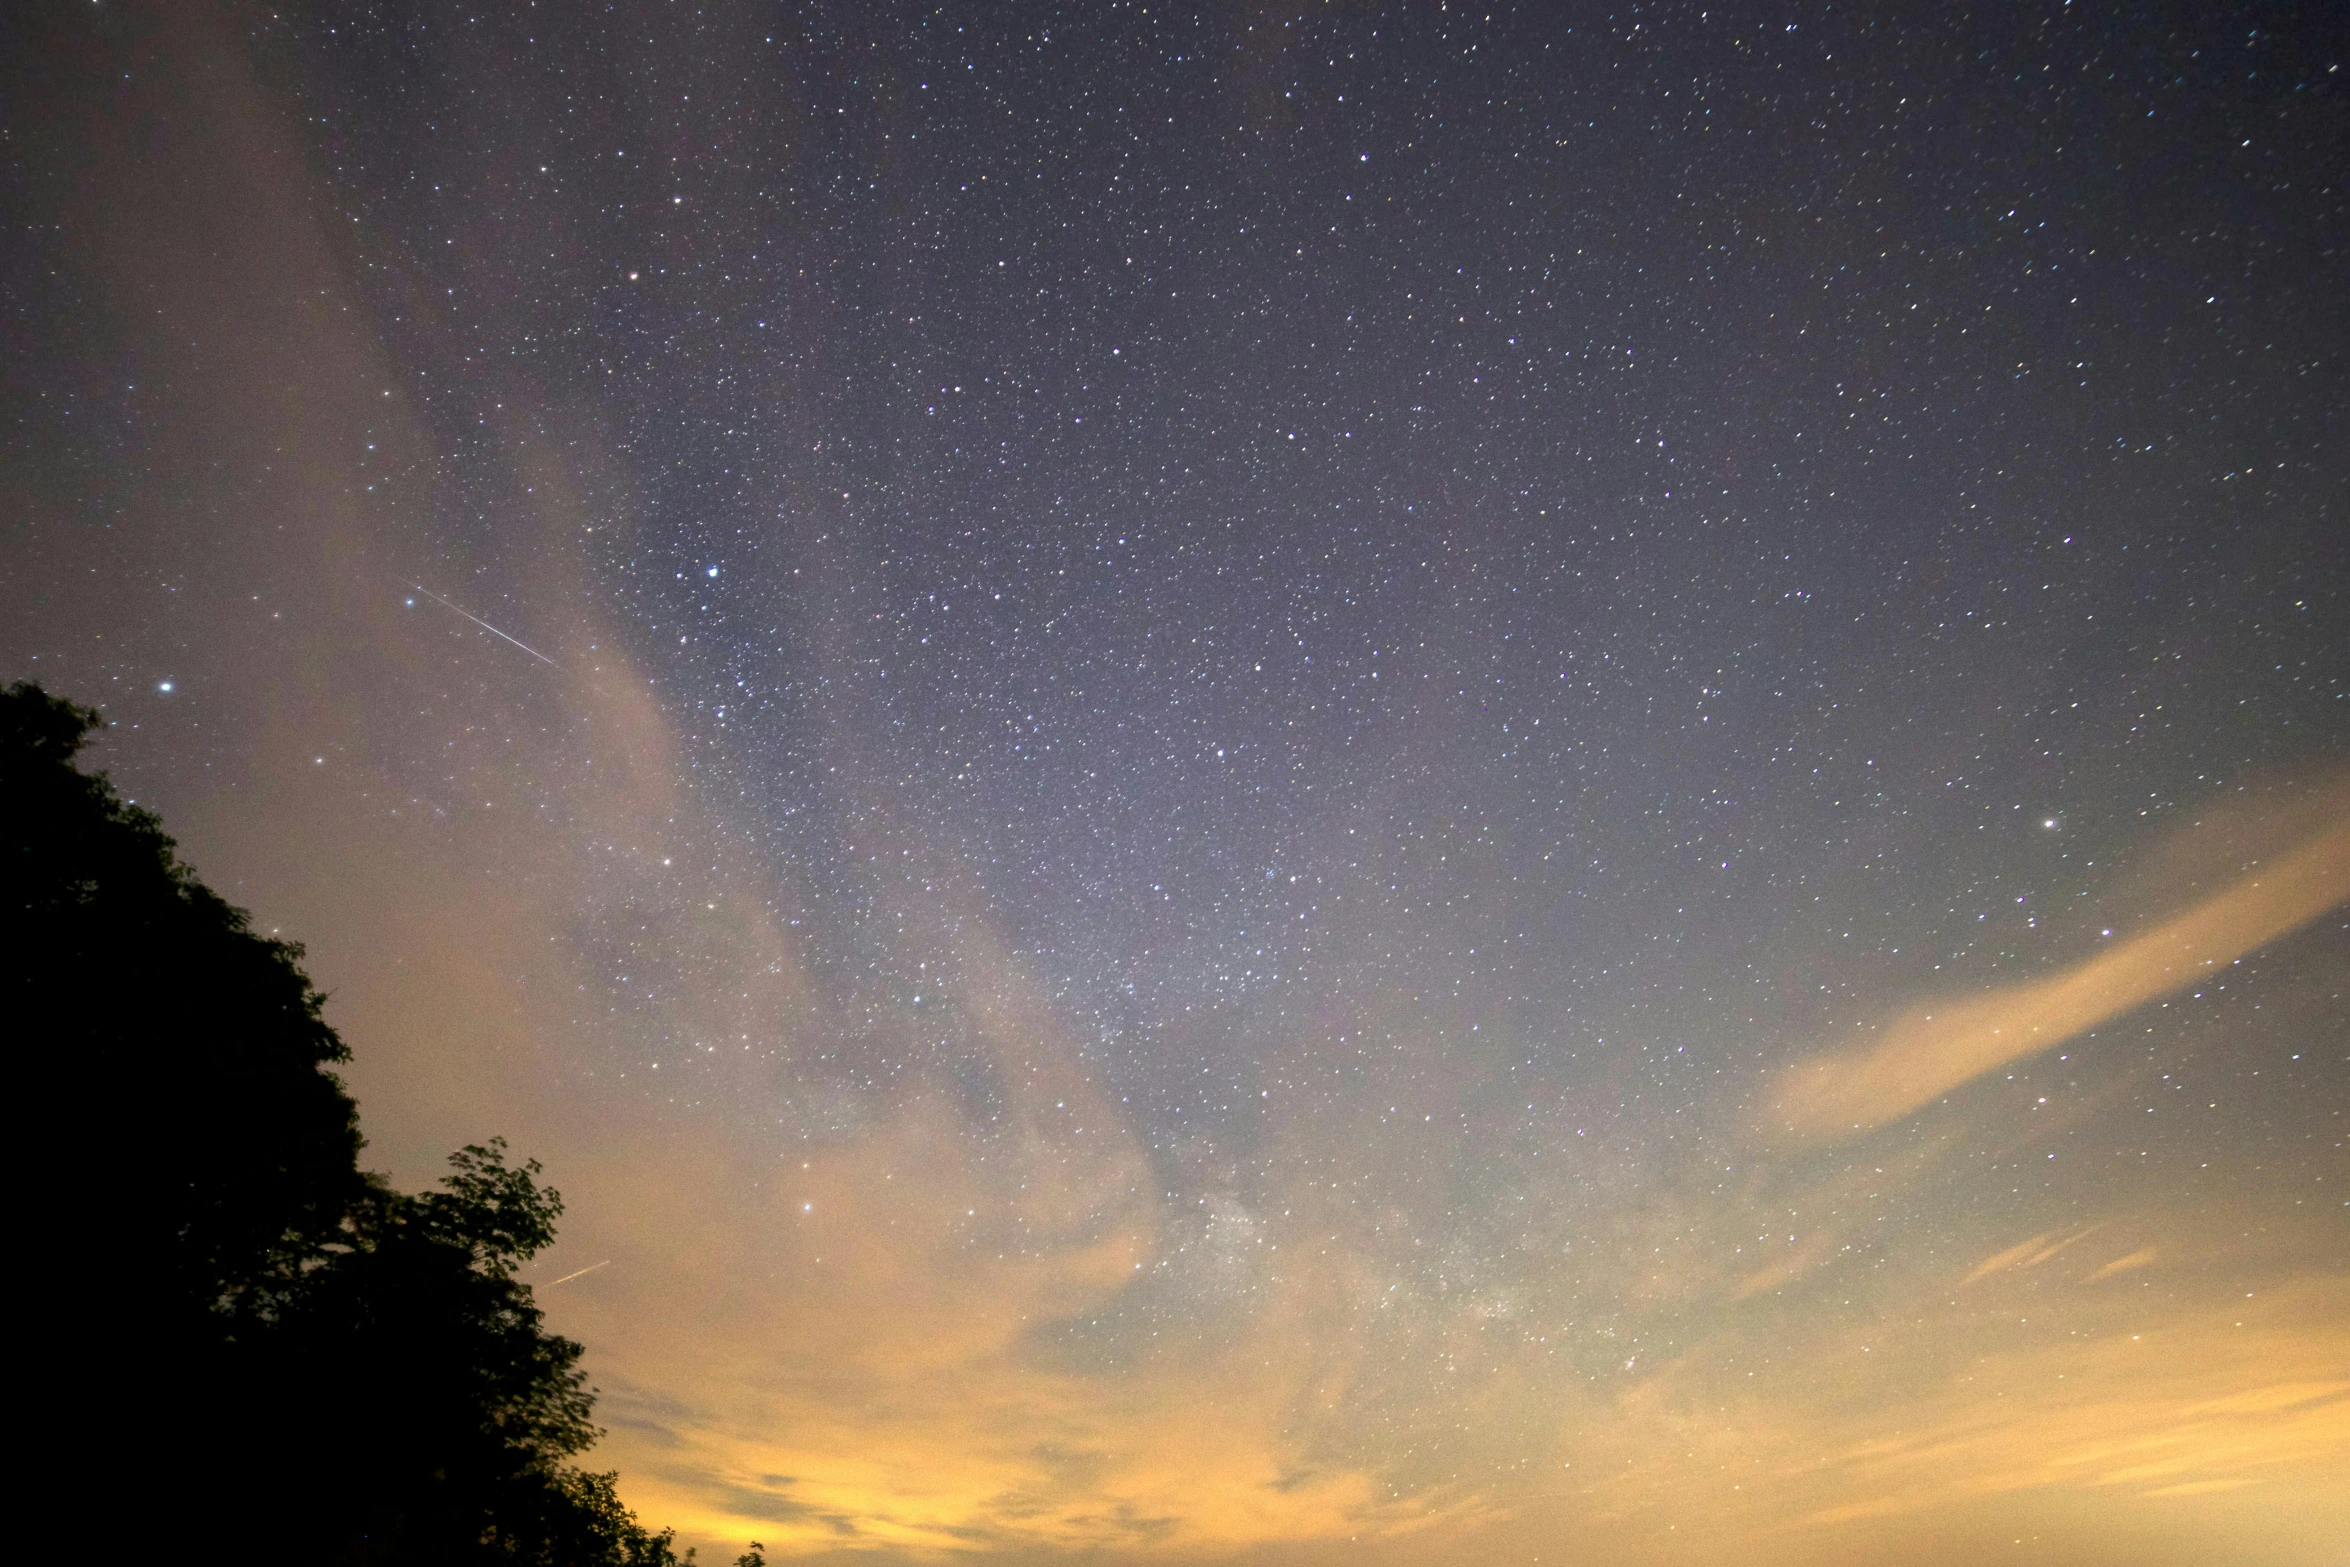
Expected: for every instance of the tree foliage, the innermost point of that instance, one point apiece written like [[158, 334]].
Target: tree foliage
[[229, 1149], [261, 1337]]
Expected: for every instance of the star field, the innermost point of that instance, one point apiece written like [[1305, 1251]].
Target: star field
[[1277, 780]]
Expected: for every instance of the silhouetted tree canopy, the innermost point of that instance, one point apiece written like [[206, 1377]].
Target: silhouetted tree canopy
[[233, 1149], [263, 1341]]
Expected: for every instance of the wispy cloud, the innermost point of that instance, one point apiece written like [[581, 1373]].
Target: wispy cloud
[[2024, 1254], [2143, 1257], [1935, 1047]]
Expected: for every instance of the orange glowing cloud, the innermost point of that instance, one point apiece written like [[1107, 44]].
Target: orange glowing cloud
[[2141, 1258], [2024, 1254], [1934, 1048]]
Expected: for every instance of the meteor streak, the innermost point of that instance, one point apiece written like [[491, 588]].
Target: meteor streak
[[590, 1268], [486, 626]]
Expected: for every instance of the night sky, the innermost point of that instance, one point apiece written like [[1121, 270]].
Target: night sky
[[1405, 784]]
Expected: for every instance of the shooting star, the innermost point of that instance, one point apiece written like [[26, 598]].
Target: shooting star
[[486, 626], [568, 1277]]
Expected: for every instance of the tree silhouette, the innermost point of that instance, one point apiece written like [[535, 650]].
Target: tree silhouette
[[256, 1336], [229, 1148]]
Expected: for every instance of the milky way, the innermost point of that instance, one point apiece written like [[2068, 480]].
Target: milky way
[[1409, 783]]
